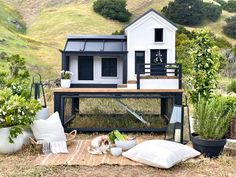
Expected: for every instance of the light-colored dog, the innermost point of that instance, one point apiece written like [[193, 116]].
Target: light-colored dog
[[99, 145]]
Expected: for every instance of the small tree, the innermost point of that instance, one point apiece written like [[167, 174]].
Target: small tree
[[206, 65], [230, 27], [191, 12], [113, 9]]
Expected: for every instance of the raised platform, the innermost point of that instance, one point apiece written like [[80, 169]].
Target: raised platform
[[114, 90]]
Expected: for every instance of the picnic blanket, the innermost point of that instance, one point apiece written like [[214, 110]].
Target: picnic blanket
[[79, 155]]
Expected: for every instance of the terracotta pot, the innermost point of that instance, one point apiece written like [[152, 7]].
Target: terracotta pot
[[5, 146], [65, 83]]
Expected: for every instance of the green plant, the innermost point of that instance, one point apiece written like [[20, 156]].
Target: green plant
[[206, 65], [16, 112], [66, 74], [113, 9], [232, 86], [191, 12], [212, 121]]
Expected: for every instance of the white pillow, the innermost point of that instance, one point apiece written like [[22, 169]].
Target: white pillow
[[48, 130], [160, 153]]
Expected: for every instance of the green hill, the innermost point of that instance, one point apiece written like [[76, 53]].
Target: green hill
[[49, 22]]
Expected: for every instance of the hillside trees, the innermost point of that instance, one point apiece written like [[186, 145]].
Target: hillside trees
[[191, 12], [229, 6], [230, 28], [113, 9]]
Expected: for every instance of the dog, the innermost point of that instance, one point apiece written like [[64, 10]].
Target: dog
[[99, 145]]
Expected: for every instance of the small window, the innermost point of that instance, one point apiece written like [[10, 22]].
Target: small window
[[159, 35], [139, 59], [109, 67]]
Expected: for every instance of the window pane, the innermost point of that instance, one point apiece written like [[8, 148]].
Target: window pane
[[158, 35], [139, 59], [109, 67]]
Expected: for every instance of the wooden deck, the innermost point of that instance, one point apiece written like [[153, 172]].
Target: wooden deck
[[114, 90]]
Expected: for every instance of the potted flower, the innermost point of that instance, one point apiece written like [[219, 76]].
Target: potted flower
[[16, 113], [65, 79], [211, 124]]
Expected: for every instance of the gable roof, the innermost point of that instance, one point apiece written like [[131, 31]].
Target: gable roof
[[157, 13]]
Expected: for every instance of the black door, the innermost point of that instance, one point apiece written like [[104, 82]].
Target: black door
[[158, 57], [85, 67]]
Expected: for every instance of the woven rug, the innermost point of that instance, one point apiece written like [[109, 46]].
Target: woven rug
[[78, 155]]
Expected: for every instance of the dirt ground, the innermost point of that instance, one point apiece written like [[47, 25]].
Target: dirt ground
[[20, 165]]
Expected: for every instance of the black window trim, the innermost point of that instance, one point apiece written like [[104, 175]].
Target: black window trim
[[144, 52], [116, 67], [162, 35]]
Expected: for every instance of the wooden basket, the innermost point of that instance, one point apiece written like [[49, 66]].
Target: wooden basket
[[69, 140]]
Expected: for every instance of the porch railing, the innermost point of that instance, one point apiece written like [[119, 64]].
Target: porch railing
[[153, 69]]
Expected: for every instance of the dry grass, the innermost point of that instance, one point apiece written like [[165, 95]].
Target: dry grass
[[20, 164]]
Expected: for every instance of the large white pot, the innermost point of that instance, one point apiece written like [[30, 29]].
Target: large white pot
[[42, 114], [5, 146], [65, 83]]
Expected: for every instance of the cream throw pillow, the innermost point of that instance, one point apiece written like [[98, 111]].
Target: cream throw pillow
[[160, 153], [49, 130]]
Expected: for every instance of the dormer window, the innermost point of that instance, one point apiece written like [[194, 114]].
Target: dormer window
[[159, 35]]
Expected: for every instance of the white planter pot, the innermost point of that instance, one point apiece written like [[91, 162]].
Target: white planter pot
[[42, 114], [65, 83], [5, 146]]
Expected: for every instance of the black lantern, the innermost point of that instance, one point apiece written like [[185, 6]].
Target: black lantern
[[37, 91]]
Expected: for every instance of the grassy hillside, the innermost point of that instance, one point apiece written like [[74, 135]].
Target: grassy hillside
[[49, 22]]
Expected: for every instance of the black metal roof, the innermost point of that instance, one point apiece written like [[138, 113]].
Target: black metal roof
[[96, 43], [151, 10]]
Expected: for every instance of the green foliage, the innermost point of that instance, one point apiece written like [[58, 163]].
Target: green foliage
[[230, 6], [206, 65], [222, 43], [16, 112], [212, 121], [192, 12], [121, 32], [232, 86], [229, 103], [66, 74], [183, 46], [183, 30], [113, 9], [212, 11], [230, 27]]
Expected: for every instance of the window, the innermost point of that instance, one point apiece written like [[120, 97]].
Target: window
[[139, 59], [159, 35], [109, 67]]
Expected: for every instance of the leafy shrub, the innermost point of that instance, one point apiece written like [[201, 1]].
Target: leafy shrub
[[206, 65], [212, 11], [230, 27], [229, 103], [232, 86], [230, 6], [212, 119], [192, 12], [113, 9], [16, 112]]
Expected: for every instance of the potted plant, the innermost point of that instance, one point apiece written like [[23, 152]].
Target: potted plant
[[65, 79], [16, 113], [211, 124], [230, 103]]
